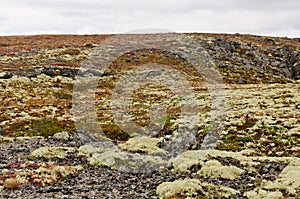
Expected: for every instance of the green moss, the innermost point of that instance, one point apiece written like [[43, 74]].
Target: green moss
[[63, 95], [46, 127], [231, 142], [43, 127], [202, 97], [113, 131], [169, 121], [240, 134], [271, 129]]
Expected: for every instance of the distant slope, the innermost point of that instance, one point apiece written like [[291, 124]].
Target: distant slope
[[240, 58]]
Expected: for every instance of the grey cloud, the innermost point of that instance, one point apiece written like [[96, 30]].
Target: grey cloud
[[98, 16]]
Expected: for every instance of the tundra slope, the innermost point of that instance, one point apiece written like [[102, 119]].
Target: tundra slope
[[258, 153]]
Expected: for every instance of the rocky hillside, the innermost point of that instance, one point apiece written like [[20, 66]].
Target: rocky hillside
[[256, 152], [240, 58]]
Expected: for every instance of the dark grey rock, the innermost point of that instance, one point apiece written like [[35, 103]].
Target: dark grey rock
[[241, 81], [6, 75], [86, 137], [2, 130], [90, 46]]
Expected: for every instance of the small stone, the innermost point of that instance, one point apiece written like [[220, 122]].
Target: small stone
[[241, 81], [21, 138], [90, 46]]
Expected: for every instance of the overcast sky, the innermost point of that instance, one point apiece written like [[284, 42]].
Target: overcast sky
[[263, 17]]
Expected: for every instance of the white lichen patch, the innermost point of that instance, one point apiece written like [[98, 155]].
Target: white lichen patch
[[212, 168], [191, 188], [215, 169], [143, 145], [88, 150], [188, 159], [51, 152], [178, 187]]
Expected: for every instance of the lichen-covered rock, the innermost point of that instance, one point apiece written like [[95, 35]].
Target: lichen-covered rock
[[191, 188], [61, 136], [88, 150], [120, 160], [143, 145], [51, 152], [215, 169]]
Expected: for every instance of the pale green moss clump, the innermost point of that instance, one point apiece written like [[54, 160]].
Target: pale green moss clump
[[214, 168], [178, 187], [143, 145], [187, 159], [51, 152], [191, 188]]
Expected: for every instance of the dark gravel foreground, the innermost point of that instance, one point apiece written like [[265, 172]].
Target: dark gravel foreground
[[99, 182], [92, 182]]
